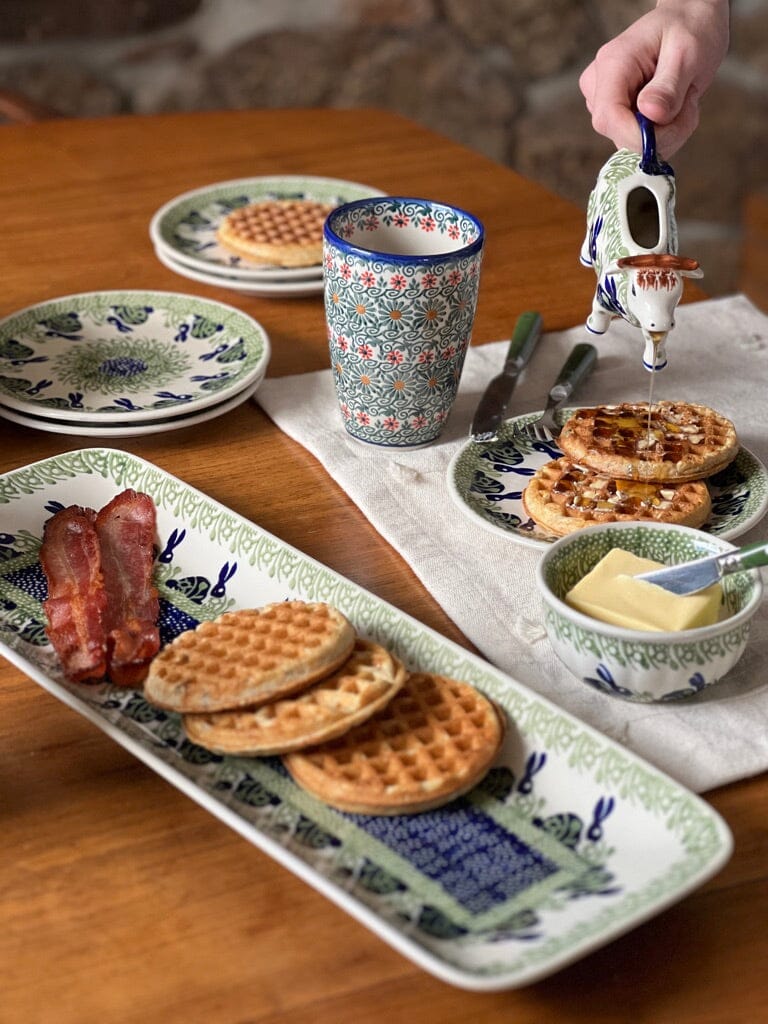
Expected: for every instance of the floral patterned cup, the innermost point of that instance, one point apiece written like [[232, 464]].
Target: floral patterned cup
[[401, 283]]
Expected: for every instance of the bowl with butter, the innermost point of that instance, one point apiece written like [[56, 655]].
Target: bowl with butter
[[633, 639]]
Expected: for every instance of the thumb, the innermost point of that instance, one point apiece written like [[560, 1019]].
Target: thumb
[[662, 98]]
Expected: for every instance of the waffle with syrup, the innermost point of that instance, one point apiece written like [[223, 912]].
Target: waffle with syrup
[[432, 742], [250, 656], [675, 442], [562, 497], [364, 684], [278, 232]]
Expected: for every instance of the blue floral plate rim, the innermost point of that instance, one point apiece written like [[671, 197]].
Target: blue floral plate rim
[[184, 228], [486, 481], [127, 356], [569, 842]]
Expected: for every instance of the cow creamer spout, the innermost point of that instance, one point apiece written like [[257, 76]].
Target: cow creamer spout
[[631, 244]]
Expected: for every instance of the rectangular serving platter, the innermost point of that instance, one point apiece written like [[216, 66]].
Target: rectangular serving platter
[[569, 842]]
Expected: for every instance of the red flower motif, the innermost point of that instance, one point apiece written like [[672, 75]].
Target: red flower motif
[[401, 220], [395, 358], [363, 419], [365, 351], [398, 282], [346, 271], [367, 279], [418, 422], [454, 277], [390, 423], [428, 223], [429, 280]]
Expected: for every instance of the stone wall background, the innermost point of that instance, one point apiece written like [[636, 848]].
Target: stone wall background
[[498, 75]]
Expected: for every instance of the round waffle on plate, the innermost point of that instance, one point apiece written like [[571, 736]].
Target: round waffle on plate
[[367, 680], [250, 656], [281, 232], [679, 441], [432, 742], [562, 497]]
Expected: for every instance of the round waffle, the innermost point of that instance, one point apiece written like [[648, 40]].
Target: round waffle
[[681, 442], [364, 684], [562, 497], [249, 656], [431, 743], [281, 232]]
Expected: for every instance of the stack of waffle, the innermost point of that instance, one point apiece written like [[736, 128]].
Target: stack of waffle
[[355, 728], [632, 462]]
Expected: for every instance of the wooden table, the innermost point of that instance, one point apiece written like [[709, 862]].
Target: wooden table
[[121, 899]]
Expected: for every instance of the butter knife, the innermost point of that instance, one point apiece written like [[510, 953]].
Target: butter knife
[[493, 404], [690, 577]]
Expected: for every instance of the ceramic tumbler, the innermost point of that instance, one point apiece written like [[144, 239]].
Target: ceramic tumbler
[[401, 280]]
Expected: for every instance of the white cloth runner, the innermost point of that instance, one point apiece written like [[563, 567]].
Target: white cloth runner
[[718, 356]]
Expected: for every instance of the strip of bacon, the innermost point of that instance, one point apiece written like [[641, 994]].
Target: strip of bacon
[[76, 599], [126, 532]]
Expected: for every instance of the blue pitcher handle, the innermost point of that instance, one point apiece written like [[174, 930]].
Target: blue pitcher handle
[[649, 162]]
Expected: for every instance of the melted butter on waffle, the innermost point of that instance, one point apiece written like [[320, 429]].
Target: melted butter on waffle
[[666, 442], [563, 496]]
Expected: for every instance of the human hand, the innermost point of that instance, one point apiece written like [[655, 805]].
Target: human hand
[[661, 65]]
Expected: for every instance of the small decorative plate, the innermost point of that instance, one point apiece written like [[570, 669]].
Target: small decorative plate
[[112, 430], [570, 841], [487, 483], [185, 227], [127, 357], [265, 289]]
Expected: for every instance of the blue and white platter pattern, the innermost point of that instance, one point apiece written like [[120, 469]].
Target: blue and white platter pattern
[[486, 481], [570, 841], [184, 229], [127, 357]]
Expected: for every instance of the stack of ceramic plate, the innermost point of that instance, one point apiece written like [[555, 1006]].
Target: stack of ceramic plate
[[184, 233], [120, 364]]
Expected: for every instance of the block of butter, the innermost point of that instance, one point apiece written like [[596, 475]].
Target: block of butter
[[609, 593]]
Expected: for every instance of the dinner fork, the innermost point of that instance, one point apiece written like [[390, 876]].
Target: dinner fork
[[573, 371]]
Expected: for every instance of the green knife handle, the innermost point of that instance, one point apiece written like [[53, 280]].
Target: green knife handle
[[751, 556], [524, 337], [576, 367]]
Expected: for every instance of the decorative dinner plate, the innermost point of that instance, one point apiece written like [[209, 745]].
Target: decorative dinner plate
[[265, 289], [127, 357], [569, 841], [487, 481], [185, 227], [141, 429]]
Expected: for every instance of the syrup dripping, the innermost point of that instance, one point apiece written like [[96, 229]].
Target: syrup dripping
[[656, 340]]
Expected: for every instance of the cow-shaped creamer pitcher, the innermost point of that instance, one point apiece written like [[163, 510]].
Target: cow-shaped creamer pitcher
[[631, 243]]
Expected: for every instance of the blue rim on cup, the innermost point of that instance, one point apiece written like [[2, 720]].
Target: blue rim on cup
[[401, 279]]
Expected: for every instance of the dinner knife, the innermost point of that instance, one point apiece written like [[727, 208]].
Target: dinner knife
[[493, 404], [689, 577]]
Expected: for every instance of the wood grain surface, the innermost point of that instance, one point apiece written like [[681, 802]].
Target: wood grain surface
[[121, 900]]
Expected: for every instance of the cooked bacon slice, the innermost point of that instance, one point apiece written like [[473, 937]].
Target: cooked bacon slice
[[126, 532], [76, 599]]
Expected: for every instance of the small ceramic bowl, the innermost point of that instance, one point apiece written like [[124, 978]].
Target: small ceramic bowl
[[634, 664]]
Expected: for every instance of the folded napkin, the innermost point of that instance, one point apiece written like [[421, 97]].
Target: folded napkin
[[718, 356]]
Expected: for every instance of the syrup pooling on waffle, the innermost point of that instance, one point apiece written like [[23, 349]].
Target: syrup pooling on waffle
[[433, 741], [562, 497], [369, 678], [250, 656], [283, 232], [669, 441]]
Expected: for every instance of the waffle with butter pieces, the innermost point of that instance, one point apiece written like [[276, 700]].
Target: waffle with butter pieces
[[681, 441], [562, 497]]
